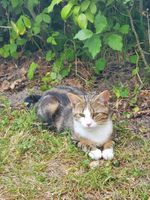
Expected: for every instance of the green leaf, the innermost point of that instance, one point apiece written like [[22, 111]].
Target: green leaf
[[84, 5], [100, 65], [89, 16], [14, 54], [21, 26], [26, 21], [135, 71], [51, 40], [75, 19], [20, 41], [12, 48], [124, 92], [13, 36], [83, 34], [124, 29], [50, 55], [39, 18], [4, 51], [115, 42], [65, 72], [100, 23], [15, 3], [109, 2], [46, 18], [53, 75], [69, 54], [133, 59], [66, 11], [93, 7], [31, 70], [136, 109], [116, 27], [51, 6], [121, 91], [82, 21], [94, 45], [36, 29], [15, 28], [32, 4], [76, 10], [55, 33]]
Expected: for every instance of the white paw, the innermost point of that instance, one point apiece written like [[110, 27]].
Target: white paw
[[108, 154], [95, 154]]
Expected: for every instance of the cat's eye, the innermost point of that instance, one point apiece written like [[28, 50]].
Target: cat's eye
[[81, 115]]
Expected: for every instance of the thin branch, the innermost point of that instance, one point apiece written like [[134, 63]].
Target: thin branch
[[136, 67], [76, 70], [141, 113], [7, 27], [148, 26], [137, 40]]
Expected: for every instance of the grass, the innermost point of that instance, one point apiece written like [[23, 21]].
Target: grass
[[38, 164]]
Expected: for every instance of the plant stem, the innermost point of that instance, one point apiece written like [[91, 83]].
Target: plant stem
[[148, 26], [137, 39], [7, 27]]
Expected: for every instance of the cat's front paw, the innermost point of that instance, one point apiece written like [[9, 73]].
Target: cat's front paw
[[95, 154], [108, 154]]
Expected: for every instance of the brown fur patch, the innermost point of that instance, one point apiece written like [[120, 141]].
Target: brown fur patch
[[84, 144], [78, 109], [52, 106], [108, 144]]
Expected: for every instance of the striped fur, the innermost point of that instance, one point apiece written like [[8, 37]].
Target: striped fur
[[86, 115]]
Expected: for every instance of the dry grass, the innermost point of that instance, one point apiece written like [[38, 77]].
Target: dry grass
[[40, 165]]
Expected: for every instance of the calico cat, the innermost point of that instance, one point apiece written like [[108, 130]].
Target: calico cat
[[86, 115]]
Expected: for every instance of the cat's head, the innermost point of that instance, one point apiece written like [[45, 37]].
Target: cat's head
[[90, 110]]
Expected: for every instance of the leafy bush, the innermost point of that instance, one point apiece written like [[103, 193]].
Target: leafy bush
[[87, 28]]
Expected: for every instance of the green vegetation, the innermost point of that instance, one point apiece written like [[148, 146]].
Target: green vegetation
[[66, 30], [38, 164]]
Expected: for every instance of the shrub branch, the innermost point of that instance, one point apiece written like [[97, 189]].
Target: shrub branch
[[137, 40]]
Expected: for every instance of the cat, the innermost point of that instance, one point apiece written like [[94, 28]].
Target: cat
[[86, 115]]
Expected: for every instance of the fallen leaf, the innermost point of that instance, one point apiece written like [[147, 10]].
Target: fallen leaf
[[5, 86]]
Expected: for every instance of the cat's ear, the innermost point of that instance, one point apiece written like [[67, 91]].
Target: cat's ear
[[103, 97], [74, 99]]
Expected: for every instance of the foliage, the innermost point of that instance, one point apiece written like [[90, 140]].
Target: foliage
[[121, 91], [92, 26], [31, 70]]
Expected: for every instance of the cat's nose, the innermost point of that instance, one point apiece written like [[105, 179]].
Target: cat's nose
[[89, 124]]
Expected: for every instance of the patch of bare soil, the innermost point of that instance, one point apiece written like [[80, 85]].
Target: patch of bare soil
[[15, 85]]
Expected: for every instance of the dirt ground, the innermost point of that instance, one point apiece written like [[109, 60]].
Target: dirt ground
[[15, 86]]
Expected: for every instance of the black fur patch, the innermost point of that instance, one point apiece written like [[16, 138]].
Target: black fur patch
[[31, 100]]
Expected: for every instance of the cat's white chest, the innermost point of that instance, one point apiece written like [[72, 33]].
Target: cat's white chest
[[100, 134]]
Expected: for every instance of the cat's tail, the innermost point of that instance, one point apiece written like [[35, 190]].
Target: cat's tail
[[32, 99]]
